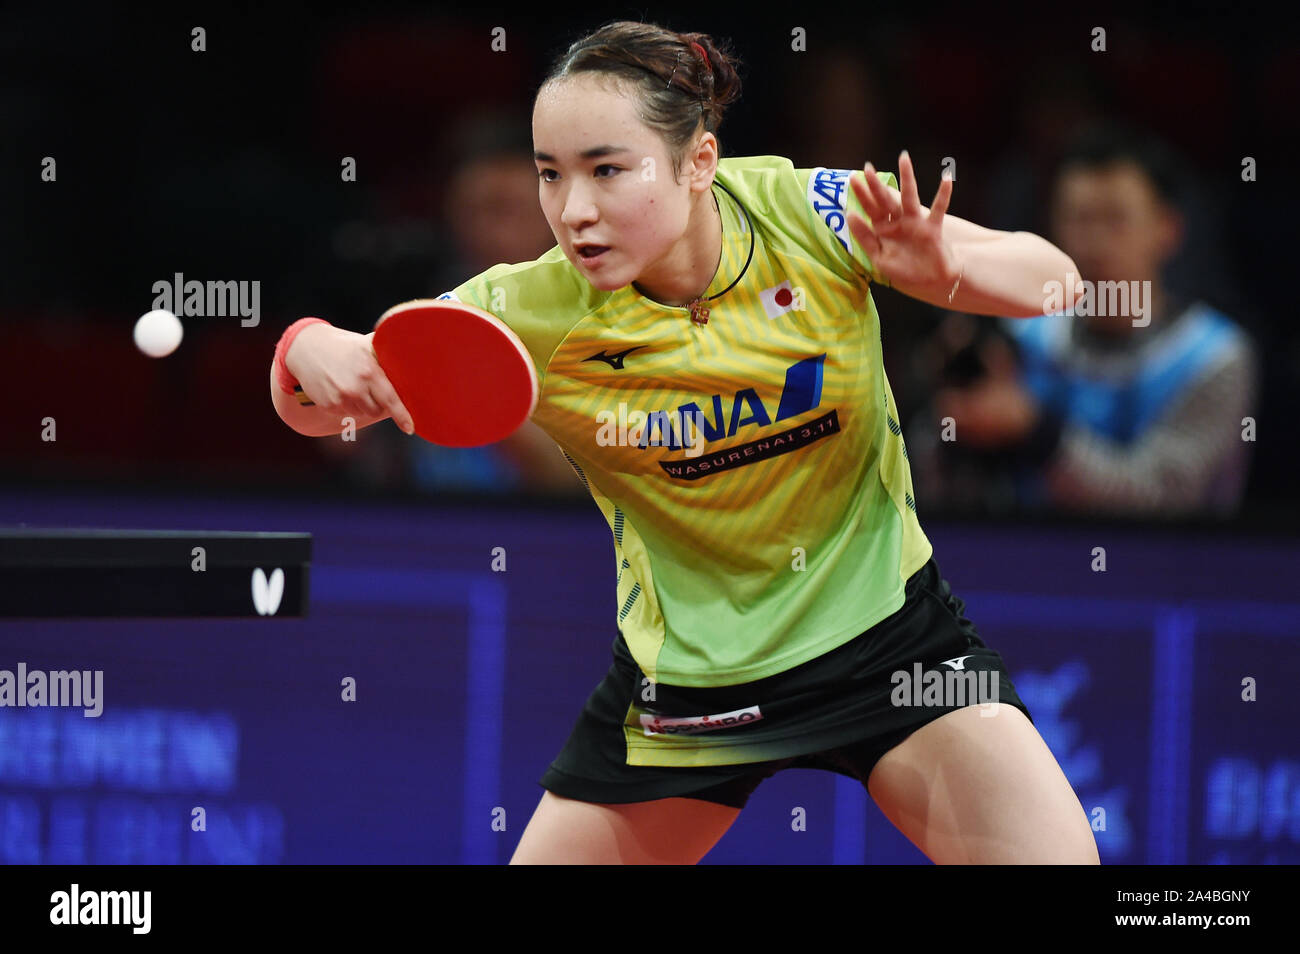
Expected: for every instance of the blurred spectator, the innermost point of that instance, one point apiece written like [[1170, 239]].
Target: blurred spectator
[[492, 215], [1070, 92], [1104, 411]]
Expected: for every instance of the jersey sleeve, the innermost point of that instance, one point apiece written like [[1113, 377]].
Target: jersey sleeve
[[829, 199], [473, 291]]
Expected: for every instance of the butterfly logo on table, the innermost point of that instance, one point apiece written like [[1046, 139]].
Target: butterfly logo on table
[[267, 592]]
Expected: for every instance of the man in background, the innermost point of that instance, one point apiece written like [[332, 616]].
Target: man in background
[[489, 214], [493, 215], [1137, 412]]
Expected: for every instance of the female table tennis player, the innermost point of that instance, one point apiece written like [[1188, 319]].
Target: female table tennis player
[[772, 576]]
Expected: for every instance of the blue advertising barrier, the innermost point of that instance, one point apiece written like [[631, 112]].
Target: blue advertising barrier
[[448, 650]]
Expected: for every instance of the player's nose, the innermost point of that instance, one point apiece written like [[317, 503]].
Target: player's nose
[[579, 210]]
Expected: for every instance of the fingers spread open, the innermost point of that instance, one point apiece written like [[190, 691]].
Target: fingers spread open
[[907, 185], [864, 233], [940, 205], [889, 208], [861, 186]]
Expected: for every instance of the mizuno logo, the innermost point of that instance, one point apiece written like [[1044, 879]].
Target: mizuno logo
[[615, 360]]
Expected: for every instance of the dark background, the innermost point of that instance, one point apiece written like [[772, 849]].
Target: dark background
[[224, 165]]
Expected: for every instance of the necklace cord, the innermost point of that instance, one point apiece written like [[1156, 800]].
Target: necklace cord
[[751, 245]]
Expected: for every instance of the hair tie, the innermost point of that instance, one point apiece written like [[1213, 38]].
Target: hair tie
[[703, 55]]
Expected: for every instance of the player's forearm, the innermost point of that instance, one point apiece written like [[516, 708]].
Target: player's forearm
[[310, 421], [1012, 275]]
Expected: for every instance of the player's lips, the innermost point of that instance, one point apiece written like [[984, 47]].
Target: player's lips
[[589, 252]]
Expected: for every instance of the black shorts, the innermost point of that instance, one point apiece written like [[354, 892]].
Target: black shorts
[[840, 712]]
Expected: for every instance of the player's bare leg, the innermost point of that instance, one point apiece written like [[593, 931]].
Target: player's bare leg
[[664, 831], [973, 789]]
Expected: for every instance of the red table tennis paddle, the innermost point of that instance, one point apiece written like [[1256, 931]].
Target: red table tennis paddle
[[465, 377]]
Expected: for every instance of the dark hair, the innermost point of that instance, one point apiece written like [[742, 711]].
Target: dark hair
[[676, 88], [1108, 143]]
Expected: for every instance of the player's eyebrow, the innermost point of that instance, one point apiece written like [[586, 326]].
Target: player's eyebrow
[[595, 152]]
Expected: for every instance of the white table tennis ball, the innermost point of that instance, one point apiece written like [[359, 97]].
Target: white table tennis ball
[[158, 333]]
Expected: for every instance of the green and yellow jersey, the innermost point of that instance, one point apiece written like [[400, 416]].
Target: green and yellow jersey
[[751, 468]]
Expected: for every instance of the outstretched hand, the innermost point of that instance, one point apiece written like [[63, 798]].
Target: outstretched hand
[[903, 239]]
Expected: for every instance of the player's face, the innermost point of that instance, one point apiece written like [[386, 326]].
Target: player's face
[[606, 181]]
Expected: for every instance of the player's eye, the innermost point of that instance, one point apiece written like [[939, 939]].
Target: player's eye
[[542, 175], [605, 166]]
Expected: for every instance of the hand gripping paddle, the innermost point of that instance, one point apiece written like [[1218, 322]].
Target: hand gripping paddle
[[465, 377]]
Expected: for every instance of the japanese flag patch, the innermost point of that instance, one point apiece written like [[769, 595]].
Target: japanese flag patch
[[779, 299]]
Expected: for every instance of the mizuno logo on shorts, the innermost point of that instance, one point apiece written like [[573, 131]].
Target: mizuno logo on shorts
[[692, 725]]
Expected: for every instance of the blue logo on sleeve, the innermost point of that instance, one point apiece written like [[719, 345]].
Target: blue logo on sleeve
[[828, 194]]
